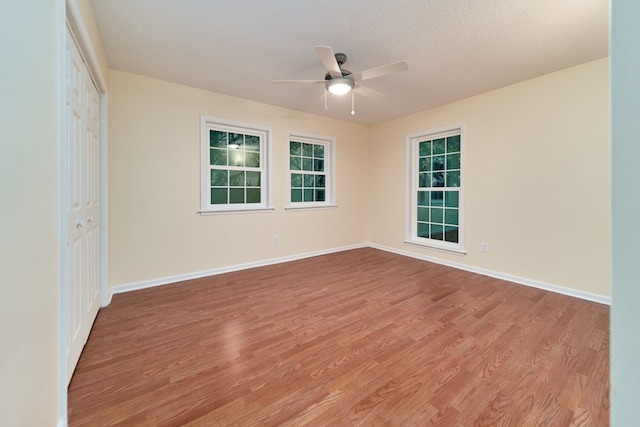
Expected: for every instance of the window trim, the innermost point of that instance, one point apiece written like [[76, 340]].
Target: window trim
[[208, 123], [330, 170], [411, 189]]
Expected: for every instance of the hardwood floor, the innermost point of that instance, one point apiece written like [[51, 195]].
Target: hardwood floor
[[362, 337]]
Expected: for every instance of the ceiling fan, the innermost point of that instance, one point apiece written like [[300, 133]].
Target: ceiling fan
[[340, 81]]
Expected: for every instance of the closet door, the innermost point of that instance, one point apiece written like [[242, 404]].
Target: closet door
[[82, 201]]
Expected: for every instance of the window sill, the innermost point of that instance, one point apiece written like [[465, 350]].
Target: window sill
[[438, 248], [309, 208], [235, 211]]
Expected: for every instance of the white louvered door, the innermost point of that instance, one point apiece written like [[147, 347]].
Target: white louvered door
[[82, 201]]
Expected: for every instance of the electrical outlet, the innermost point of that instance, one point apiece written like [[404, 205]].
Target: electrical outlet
[[484, 247], [276, 239]]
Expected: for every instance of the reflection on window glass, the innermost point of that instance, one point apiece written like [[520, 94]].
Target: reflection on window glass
[[437, 213], [234, 159], [309, 186]]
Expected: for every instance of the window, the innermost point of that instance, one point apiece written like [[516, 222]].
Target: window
[[310, 171], [434, 211], [235, 173]]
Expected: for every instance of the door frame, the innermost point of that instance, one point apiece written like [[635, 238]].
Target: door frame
[[71, 19]]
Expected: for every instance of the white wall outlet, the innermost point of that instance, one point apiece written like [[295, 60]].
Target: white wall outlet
[[276, 239], [484, 247]]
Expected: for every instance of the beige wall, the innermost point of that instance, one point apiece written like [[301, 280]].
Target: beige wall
[[536, 182], [154, 182], [536, 179], [30, 42]]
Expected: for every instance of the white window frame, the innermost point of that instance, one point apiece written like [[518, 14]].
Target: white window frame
[[329, 171], [412, 186], [208, 123]]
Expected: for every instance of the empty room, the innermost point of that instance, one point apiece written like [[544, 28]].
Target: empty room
[[321, 213]]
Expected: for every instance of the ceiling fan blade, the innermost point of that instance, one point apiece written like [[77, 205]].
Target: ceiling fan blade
[[299, 81], [381, 71], [328, 59], [367, 92]]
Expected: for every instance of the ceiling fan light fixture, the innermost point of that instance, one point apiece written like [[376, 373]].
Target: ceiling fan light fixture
[[340, 86]]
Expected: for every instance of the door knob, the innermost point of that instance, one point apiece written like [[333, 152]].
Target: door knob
[[79, 225]]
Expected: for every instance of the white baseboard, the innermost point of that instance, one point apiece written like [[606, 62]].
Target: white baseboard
[[508, 277], [215, 271], [601, 299]]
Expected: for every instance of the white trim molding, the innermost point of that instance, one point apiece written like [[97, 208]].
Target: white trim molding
[[221, 270], [601, 299]]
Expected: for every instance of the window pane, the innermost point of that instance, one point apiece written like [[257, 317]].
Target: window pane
[[437, 180], [424, 180], [437, 232], [296, 195], [236, 165], [252, 160], [308, 195], [219, 178], [236, 195], [451, 199], [295, 148], [308, 181], [318, 151], [253, 179], [423, 230], [295, 163], [423, 214], [425, 148], [437, 215], [438, 163], [451, 234], [311, 159], [251, 143], [453, 179], [236, 178], [423, 198], [438, 146], [307, 164], [296, 180], [425, 164], [307, 150], [218, 196], [253, 195], [453, 144], [236, 158], [218, 157], [436, 198], [236, 138], [451, 216], [217, 139], [453, 161]]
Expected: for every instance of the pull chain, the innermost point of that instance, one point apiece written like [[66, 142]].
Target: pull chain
[[353, 110], [325, 100]]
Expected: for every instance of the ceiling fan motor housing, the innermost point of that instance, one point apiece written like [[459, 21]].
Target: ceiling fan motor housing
[[344, 74], [341, 58]]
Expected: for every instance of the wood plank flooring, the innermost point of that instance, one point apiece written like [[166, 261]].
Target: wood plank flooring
[[361, 337]]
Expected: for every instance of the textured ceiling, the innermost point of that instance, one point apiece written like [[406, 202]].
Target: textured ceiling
[[455, 48]]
